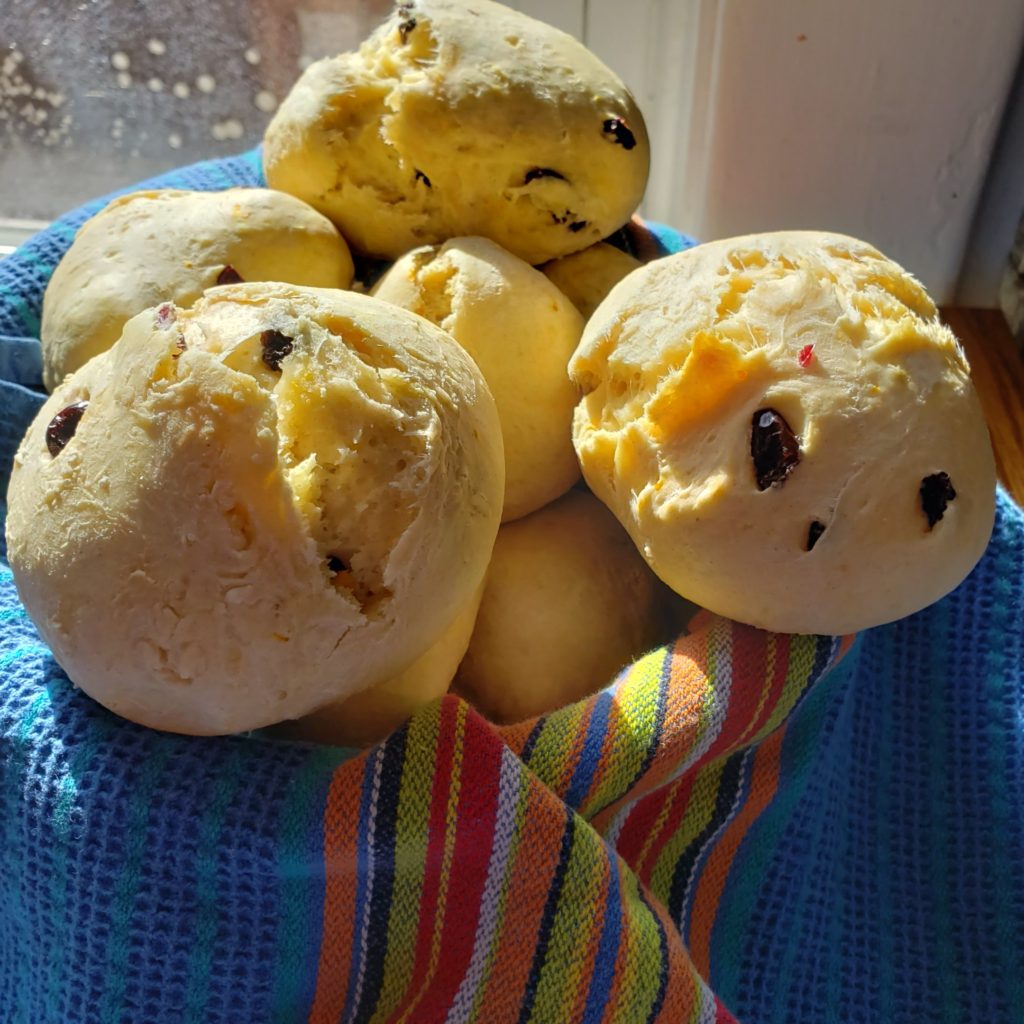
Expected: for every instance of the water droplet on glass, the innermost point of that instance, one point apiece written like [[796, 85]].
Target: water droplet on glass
[[266, 101], [157, 47], [124, 80], [252, 55], [120, 61], [181, 90], [206, 83], [229, 129], [155, 85], [174, 140]]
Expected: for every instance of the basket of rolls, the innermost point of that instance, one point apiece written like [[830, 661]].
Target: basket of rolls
[[431, 592]]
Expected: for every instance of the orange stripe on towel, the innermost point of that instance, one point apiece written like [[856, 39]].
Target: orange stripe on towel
[[764, 781], [341, 834]]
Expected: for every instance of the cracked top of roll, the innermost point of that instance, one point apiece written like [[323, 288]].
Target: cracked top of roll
[[520, 330], [263, 503], [788, 432], [463, 117]]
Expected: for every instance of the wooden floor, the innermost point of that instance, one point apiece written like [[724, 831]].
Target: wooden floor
[[998, 371]]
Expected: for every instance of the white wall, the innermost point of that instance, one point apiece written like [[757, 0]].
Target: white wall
[[568, 15], [876, 117]]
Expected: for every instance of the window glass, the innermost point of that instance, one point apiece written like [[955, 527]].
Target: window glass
[[97, 94]]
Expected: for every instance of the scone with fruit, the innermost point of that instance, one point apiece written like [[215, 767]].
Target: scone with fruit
[[567, 602], [463, 117], [371, 715], [787, 431], [248, 509], [586, 277], [170, 246], [520, 330]]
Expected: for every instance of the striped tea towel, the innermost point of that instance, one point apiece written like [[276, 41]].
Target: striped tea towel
[[742, 826]]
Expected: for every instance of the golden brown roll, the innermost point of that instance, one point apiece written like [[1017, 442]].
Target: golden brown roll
[[245, 510], [170, 246], [463, 117], [787, 431]]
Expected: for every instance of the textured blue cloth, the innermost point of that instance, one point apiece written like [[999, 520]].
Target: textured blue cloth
[[885, 883]]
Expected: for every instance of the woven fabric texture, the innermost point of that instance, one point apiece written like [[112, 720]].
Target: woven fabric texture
[[742, 826]]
